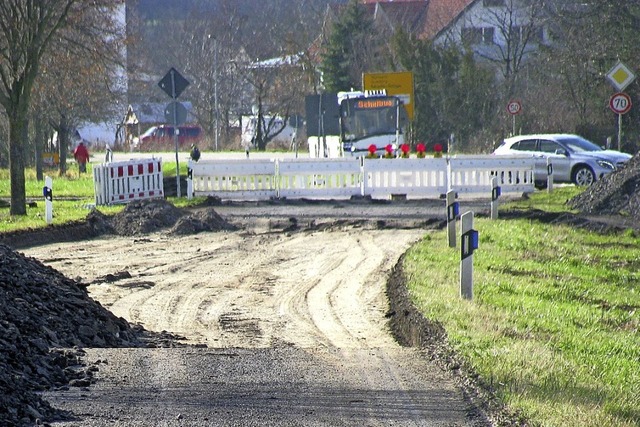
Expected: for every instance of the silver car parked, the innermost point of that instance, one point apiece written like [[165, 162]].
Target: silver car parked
[[573, 158]]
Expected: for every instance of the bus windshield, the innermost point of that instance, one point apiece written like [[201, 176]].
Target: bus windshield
[[365, 117]]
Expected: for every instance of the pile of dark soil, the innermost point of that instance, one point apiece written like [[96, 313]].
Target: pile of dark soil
[[197, 222], [615, 194], [137, 218], [148, 216], [145, 216], [45, 320]]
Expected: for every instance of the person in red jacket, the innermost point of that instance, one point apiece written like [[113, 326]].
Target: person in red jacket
[[81, 154]]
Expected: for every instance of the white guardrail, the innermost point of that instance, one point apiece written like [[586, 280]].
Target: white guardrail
[[249, 179], [123, 182]]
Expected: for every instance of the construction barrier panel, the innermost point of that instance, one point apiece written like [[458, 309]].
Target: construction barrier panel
[[348, 177], [421, 178], [473, 174], [244, 179], [319, 178], [123, 182]]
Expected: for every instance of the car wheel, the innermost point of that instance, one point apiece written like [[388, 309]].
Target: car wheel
[[583, 176]]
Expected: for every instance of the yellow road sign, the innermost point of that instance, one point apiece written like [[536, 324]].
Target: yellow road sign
[[398, 84], [620, 76]]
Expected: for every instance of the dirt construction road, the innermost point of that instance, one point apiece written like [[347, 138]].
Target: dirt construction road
[[288, 327]]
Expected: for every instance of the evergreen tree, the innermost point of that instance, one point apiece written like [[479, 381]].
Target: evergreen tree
[[346, 55], [452, 93]]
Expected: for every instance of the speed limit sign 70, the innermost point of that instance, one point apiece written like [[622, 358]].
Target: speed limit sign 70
[[620, 103], [514, 107]]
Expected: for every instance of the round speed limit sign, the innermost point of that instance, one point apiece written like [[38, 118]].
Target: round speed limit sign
[[620, 103], [514, 107]]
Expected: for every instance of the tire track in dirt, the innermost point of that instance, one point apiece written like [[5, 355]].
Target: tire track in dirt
[[228, 290]]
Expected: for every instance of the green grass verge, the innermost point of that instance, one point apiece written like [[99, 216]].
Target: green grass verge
[[554, 323], [73, 197]]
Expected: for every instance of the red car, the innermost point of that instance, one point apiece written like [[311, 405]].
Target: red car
[[161, 138]]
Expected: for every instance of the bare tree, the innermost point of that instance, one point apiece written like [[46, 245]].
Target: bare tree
[[218, 44], [211, 50], [507, 36], [28, 29]]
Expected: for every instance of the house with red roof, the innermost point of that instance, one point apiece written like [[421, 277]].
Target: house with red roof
[[502, 31]]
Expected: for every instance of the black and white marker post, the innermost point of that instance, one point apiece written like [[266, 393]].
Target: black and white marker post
[[47, 192], [453, 210], [549, 175], [496, 191], [469, 243]]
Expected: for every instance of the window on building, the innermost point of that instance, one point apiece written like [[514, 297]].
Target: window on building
[[478, 35], [487, 35], [471, 36], [536, 35]]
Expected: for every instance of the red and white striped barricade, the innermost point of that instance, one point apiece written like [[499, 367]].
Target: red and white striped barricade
[[124, 182]]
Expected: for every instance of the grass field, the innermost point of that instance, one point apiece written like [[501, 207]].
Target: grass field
[[554, 323], [73, 195]]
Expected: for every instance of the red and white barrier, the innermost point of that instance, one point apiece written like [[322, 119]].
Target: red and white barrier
[[124, 182]]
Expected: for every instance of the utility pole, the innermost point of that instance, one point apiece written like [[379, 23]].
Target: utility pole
[[215, 89], [215, 86]]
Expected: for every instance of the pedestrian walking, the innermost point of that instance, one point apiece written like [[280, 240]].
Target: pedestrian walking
[[81, 154]]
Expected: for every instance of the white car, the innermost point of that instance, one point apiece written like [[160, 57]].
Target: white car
[[573, 158]]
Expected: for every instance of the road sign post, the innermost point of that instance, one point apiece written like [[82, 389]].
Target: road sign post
[[514, 108], [173, 84], [620, 76], [620, 103]]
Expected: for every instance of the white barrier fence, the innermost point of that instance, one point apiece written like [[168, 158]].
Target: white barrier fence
[[317, 178], [348, 177], [233, 179], [123, 182], [473, 174], [384, 178]]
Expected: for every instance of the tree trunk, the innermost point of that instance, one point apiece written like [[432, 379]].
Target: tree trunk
[[261, 140], [39, 145], [63, 145], [16, 164]]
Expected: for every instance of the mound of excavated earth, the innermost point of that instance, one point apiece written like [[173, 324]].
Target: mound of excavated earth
[[615, 194], [147, 216], [45, 318]]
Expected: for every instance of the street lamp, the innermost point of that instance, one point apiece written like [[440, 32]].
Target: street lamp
[[215, 87]]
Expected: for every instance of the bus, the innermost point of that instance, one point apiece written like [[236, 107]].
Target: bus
[[365, 120]]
